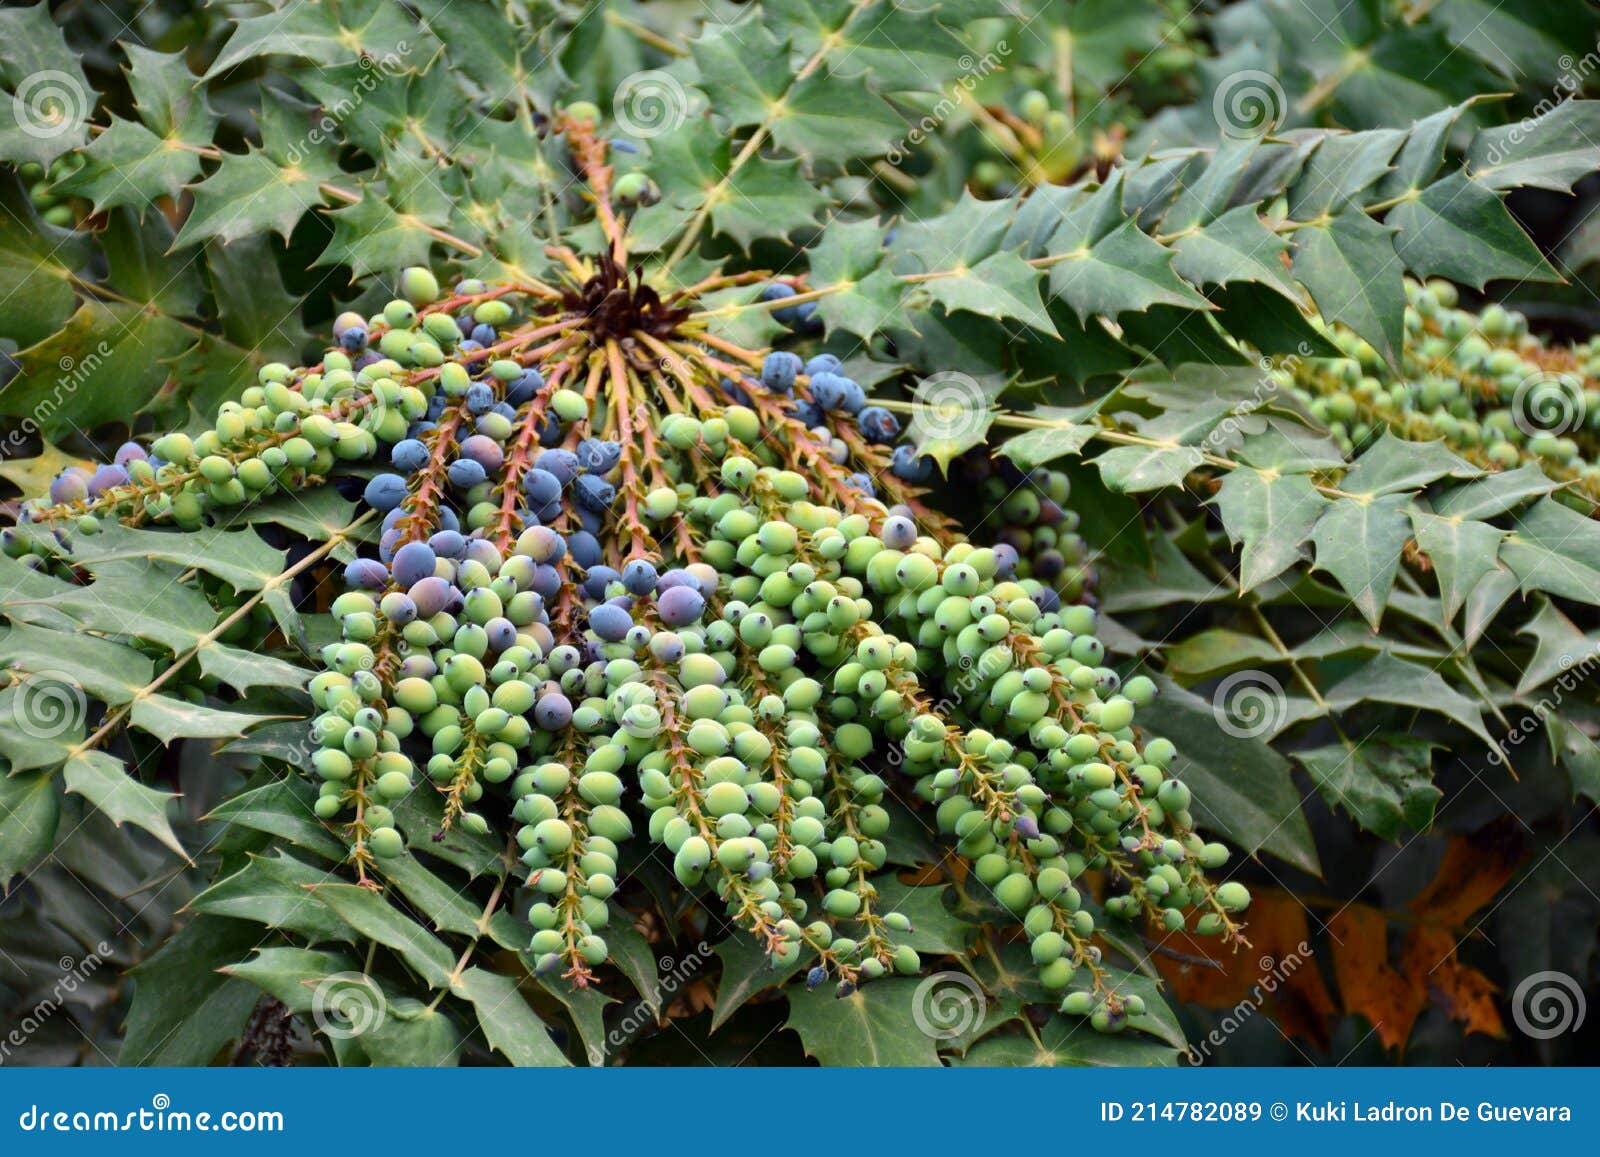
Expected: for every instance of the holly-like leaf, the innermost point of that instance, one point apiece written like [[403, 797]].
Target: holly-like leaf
[[104, 781], [867, 1027], [1270, 515], [1459, 228], [1385, 782], [267, 187], [509, 1024], [1349, 267], [329, 34], [1360, 543]]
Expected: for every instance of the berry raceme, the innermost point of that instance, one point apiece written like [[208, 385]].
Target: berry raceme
[[615, 600], [1500, 396]]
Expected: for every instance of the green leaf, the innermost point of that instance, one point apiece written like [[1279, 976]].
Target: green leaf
[[1462, 551], [507, 1021], [110, 672], [1385, 782], [746, 971], [1494, 493], [184, 1009], [275, 891], [1392, 464], [1387, 679], [104, 782], [1217, 651], [329, 34], [1242, 787], [98, 368], [934, 928], [135, 162], [1271, 514], [1131, 469], [1555, 549], [1348, 266], [1460, 229], [169, 718], [270, 187], [37, 262], [869, 1027], [1559, 647], [847, 258], [1125, 271], [41, 720], [283, 809], [1360, 544], [30, 809], [1552, 151], [1069, 432], [239, 558], [828, 117], [413, 1034], [290, 975], [47, 102], [446, 907], [375, 918], [1001, 286]]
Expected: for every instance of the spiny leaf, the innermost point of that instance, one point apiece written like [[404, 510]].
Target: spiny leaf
[[103, 781]]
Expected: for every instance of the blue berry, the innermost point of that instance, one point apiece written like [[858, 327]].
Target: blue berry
[[563, 464], [409, 456], [595, 493], [779, 370], [413, 562], [639, 577], [599, 456], [909, 466], [541, 486], [483, 334], [366, 574], [610, 622], [385, 492], [480, 398], [464, 474], [878, 424], [525, 388], [585, 548], [822, 364]]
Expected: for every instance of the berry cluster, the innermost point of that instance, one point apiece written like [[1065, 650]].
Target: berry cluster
[[659, 583], [1499, 395]]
